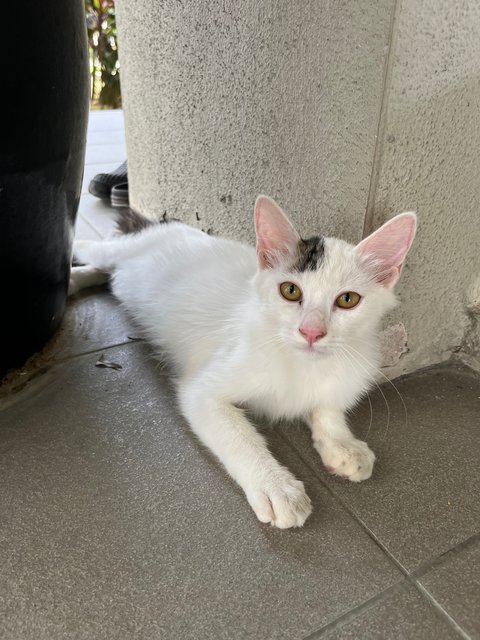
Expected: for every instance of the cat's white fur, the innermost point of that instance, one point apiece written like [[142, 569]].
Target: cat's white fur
[[213, 307]]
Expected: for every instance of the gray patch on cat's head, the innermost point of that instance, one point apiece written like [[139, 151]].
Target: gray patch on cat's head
[[309, 254]]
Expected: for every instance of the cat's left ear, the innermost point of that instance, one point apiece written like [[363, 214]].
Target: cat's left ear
[[275, 233], [385, 249]]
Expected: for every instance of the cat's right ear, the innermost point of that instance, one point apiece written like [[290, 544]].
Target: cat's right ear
[[385, 249], [275, 233]]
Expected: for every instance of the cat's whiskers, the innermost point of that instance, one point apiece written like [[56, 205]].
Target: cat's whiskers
[[344, 356], [388, 380], [371, 416], [344, 348], [275, 339]]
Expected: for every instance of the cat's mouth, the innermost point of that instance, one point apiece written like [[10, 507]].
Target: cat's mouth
[[314, 350]]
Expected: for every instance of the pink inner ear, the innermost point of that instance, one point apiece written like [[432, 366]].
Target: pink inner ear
[[387, 247], [275, 233]]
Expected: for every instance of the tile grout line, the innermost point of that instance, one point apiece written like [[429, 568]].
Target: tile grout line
[[437, 562], [352, 514], [410, 578], [440, 611], [105, 216], [89, 224], [422, 569], [357, 611], [444, 557]]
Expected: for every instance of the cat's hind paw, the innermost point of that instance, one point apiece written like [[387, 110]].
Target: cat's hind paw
[[74, 285], [281, 501], [351, 459]]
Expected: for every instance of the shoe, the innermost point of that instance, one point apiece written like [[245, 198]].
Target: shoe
[[101, 185], [119, 195]]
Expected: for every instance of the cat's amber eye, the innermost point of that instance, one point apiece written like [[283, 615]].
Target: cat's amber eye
[[348, 300], [290, 291]]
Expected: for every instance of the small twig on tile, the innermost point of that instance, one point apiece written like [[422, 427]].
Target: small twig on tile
[[101, 362]]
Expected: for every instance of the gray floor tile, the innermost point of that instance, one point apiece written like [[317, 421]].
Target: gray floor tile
[[455, 585], [100, 153], [84, 230], [117, 524], [106, 137], [93, 320], [106, 120], [98, 213], [422, 499], [403, 615]]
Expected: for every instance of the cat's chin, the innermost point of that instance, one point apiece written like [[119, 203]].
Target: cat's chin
[[314, 351]]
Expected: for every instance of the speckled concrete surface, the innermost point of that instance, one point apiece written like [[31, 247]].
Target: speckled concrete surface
[[401, 615], [117, 523], [455, 584], [429, 162], [427, 464], [225, 100], [115, 520]]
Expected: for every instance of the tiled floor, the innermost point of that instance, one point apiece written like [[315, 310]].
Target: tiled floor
[[105, 152], [116, 523]]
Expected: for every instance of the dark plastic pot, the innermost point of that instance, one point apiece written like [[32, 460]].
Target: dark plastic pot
[[45, 94]]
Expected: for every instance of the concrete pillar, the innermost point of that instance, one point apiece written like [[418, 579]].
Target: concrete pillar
[[346, 112], [224, 100]]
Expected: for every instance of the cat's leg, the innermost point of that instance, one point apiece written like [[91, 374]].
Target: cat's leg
[[97, 253], [84, 277], [274, 494], [341, 452], [93, 256]]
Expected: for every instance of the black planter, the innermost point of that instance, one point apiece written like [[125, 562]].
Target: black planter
[[45, 95]]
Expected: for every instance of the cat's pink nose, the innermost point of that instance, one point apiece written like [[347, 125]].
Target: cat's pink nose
[[312, 334]]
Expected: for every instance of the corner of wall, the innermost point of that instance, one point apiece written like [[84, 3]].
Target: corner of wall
[[469, 351]]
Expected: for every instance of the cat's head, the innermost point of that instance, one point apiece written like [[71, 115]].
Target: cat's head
[[320, 293]]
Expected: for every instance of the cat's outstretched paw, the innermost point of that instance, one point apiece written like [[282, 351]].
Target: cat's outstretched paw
[[351, 459], [84, 277], [282, 501]]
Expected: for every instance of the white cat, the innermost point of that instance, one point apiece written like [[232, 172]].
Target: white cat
[[287, 331]]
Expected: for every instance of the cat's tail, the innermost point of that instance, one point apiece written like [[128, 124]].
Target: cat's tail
[[106, 254], [94, 261], [129, 221]]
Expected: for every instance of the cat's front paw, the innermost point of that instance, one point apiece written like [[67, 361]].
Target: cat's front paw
[[280, 500], [350, 458]]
